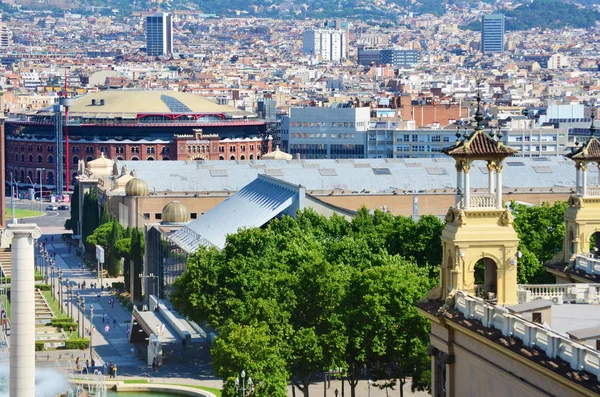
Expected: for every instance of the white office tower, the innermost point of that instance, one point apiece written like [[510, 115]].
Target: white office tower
[[159, 34], [327, 44]]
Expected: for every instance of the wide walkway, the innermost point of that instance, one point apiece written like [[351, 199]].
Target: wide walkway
[[111, 345]]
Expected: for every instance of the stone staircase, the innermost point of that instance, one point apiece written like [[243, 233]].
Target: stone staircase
[[5, 262], [43, 313]]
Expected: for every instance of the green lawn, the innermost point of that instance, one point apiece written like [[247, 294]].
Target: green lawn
[[21, 213]]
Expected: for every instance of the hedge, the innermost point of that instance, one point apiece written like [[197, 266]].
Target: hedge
[[64, 323], [43, 287], [77, 343], [39, 346]]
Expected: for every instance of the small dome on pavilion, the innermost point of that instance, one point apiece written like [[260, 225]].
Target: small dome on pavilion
[[136, 187], [277, 155], [175, 212]]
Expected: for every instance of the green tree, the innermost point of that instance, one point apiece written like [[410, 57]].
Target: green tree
[[251, 349], [113, 259], [137, 257], [72, 222]]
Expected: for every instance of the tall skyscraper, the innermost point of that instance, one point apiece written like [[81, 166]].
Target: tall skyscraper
[[492, 33], [159, 34], [329, 44]]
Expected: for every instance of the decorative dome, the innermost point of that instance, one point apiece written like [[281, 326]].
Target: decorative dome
[[175, 212], [136, 187], [277, 155]]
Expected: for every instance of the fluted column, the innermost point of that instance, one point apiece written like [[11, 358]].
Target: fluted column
[[22, 333], [499, 186], [459, 182], [584, 168], [467, 192], [491, 166]]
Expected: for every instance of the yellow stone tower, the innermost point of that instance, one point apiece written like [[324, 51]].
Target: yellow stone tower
[[479, 228], [582, 219]]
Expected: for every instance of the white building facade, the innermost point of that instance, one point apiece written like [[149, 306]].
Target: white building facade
[[326, 44]]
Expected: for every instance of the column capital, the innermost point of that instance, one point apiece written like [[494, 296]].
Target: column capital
[[22, 229], [466, 168], [578, 165], [491, 166], [498, 168], [584, 166]]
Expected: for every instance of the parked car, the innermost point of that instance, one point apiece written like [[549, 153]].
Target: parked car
[[63, 208], [51, 208]]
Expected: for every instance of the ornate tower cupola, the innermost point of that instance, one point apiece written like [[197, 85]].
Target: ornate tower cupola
[[582, 218], [479, 241]]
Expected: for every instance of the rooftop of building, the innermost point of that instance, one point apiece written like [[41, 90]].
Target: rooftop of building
[[358, 176], [126, 102]]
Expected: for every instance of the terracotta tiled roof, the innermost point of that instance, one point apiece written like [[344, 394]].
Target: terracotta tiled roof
[[588, 151], [479, 144]]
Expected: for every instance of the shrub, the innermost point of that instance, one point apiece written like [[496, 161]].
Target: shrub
[[118, 286], [77, 343], [39, 346], [64, 323], [43, 287]]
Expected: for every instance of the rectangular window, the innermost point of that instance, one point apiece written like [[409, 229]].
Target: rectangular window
[[158, 216], [146, 216], [193, 215], [536, 317]]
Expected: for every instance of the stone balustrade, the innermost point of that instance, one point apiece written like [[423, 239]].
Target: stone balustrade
[[587, 264], [559, 293], [477, 202], [593, 191], [579, 356]]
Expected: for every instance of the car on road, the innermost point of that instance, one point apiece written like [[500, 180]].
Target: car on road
[[63, 208], [51, 208]]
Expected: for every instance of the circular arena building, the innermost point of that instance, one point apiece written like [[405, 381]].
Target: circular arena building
[[128, 125]]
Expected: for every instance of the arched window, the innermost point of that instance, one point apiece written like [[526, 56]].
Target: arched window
[[40, 159], [22, 158], [31, 158], [150, 159], [165, 158], [75, 160], [30, 175], [50, 180], [232, 158], [221, 158], [251, 157], [88, 159], [242, 157], [50, 159], [22, 176], [120, 158], [134, 159]]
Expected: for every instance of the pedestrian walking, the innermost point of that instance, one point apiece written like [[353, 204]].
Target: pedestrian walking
[[102, 318], [93, 365], [105, 368], [114, 322], [107, 328], [154, 364], [132, 351], [115, 371]]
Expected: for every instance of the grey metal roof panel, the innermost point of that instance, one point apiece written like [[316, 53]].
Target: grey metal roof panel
[[253, 206], [169, 175]]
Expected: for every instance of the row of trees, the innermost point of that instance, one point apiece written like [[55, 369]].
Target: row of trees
[[309, 294]]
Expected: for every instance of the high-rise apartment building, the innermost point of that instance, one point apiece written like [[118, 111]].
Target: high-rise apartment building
[[492, 33], [159, 34], [328, 44], [4, 35]]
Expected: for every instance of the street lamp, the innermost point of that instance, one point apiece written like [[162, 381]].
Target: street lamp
[[60, 289], [40, 170], [70, 304], [52, 275], [91, 328], [78, 300], [370, 382], [82, 317], [243, 389]]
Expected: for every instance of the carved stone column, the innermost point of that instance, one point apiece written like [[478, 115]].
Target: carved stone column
[[467, 192], [491, 166], [499, 186]]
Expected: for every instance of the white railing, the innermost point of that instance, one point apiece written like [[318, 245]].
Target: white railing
[[559, 293], [479, 202], [593, 191], [579, 356], [587, 264], [479, 290]]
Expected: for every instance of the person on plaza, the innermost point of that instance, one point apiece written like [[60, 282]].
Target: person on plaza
[[132, 351], [70, 330], [107, 328], [77, 365], [114, 322], [98, 296], [87, 366], [93, 365], [115, 371], [105, 368], [154, 364], [110, 369], [103, 318]]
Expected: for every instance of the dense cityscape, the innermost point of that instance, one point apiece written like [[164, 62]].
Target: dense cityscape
[[278, 198]]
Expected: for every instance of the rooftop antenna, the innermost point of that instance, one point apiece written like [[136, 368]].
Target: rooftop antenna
[[593, 127]]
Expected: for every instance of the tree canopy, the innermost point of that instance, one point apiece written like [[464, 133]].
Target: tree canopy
[[316, 294]]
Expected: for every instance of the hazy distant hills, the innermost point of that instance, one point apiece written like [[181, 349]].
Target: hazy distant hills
[[539, 13]]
